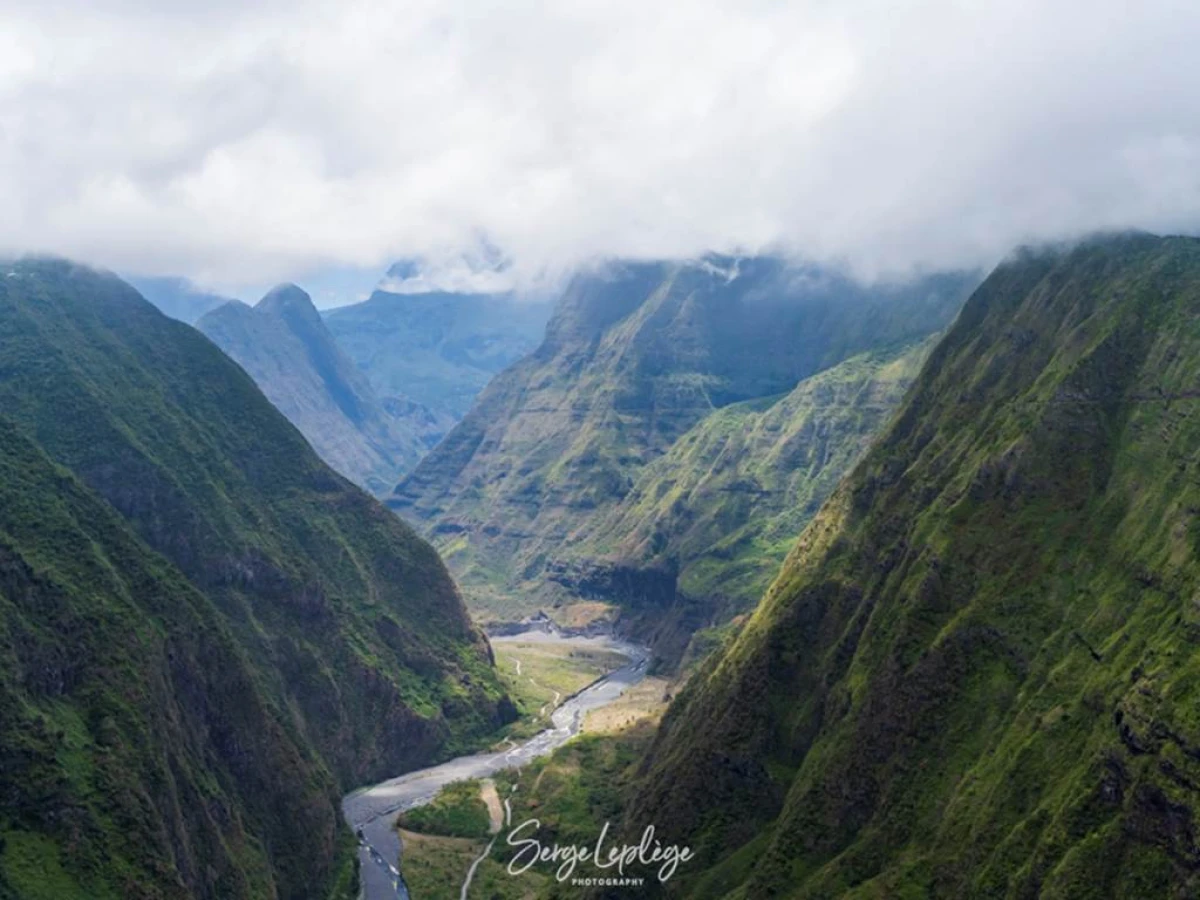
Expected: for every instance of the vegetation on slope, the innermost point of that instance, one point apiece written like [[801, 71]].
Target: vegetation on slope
[[635, 356], [270, 637], [457, 811], [140, 758], [976, 675], [722, 507], [570, 793]]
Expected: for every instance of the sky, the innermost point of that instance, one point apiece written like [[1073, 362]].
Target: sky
[[243, 143]]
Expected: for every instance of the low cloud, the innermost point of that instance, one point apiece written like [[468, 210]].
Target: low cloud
[[246, 143]]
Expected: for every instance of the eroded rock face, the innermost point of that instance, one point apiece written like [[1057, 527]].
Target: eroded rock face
[[975, 673], [635, 357]]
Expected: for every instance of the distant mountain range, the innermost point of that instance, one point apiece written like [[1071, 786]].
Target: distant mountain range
[[374, 385], [437, 349], [283, 344]]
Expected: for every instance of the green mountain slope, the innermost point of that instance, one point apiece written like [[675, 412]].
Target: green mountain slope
[[977, 673], [140, 758], [311, 641], [635, 356], [722, 507], [437, 349], [285, 347]]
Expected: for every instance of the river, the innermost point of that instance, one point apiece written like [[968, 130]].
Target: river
[[371, 812]]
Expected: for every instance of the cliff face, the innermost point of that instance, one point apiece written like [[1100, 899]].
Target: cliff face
[[720, 509], [207, 633], [635, 357], [976, 675], [283, 344]]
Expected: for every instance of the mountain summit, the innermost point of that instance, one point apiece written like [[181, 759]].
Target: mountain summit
[[282, 342]]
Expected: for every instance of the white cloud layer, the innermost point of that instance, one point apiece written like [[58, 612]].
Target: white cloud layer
[[247, 142]]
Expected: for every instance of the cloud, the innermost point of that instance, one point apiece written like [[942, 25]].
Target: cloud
[[234, 142]]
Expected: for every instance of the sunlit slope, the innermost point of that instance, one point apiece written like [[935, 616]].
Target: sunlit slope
[[977, 675]]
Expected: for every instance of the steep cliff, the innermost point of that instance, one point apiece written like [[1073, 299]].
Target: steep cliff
[[635, 357], [207, 633], [976, 675], [714, 516]]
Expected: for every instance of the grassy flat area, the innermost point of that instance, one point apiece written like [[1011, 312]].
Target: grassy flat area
[[541, 674], [572, 792], [458, 811], [645, 702], [434, 865]]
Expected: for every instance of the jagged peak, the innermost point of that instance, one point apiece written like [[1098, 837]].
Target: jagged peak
[[286, 296]]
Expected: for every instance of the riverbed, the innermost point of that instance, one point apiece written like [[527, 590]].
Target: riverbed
[[372, 811]]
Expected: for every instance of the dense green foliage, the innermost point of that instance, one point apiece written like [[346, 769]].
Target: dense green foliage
[[635, 357], [722, 507], [977, 673], [457, 811], [285, 347], [206, 634]]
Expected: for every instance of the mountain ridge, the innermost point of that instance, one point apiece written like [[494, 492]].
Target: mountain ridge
[[276, 635], [975, 674], [634, 356], [283, 344]]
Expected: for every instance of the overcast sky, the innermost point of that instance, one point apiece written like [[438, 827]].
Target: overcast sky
[[248, 142]]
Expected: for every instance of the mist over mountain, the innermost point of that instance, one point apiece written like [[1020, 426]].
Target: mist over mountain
[[635, 356]]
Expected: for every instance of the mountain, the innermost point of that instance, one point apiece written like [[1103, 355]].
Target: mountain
[[437, 349], [718, 512], [285, 347], [635, 356], [977, 673], [178, 297], [207, 635]]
